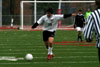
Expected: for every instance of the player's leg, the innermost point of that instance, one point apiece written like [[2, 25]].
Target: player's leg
[[50, 52], [45, 38], [50, 40], [80, 35], [79, 38], [49, 57], [46, 44]]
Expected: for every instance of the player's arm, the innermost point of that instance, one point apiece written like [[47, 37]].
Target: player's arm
[[68, 15], [38, 22], [75, 22], [64, 16], [35, 25]]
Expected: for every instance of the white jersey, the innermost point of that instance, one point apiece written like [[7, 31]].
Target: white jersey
[[50, 24]]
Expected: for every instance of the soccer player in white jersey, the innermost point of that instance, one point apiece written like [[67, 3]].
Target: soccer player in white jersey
[[50, 23]]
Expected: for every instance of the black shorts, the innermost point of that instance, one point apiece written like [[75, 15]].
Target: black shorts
[[47, 34]]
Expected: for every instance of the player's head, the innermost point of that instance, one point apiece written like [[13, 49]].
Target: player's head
[[49, 12], [89, 9], [80, 11], [97, 3]]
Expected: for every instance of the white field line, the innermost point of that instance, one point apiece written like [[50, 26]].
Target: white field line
[[46, 49], [69, 62], [43, 46], [54, 48], [55, 53], [13, 58], [10, 58], [15, 63], [32, 49], [71, 57]]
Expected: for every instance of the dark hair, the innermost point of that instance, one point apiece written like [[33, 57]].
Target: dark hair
[[50, 10], [79, 10], [97, 3]]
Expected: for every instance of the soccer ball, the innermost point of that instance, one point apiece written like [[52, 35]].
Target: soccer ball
[[29, 57]]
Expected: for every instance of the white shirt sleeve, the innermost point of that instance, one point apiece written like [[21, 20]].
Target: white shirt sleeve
[[59, 17], [40, 21]]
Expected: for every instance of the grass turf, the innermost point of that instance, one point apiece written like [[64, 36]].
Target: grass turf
[[19, 43]]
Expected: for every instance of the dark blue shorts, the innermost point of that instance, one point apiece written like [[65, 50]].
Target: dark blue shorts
[[47, 34]]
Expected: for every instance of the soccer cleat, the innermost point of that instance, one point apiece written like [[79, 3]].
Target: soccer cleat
[[80, 40], [49, 57]]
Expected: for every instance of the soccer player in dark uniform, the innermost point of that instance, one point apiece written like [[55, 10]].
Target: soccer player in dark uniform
[[50, 23], [79, 24], [93, 25]]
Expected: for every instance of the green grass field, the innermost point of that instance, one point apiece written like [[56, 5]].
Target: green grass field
[[68, 52]]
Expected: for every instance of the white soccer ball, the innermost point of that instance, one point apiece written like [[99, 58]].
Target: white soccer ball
[[29, 57]]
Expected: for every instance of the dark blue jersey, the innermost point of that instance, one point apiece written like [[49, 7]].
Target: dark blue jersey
[[79, 20]]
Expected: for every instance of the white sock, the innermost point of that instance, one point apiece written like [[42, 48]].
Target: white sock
[[48, 50], [51, 51]]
